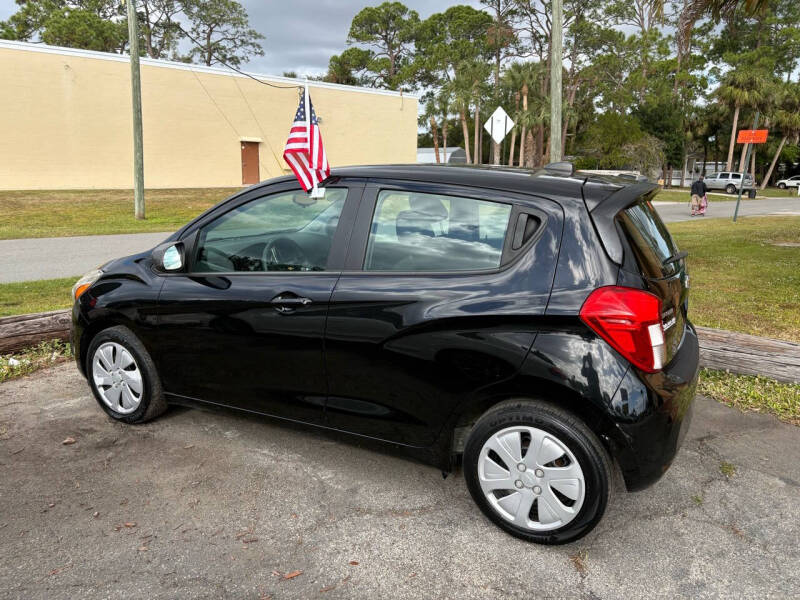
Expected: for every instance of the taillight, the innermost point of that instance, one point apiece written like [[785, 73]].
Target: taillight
[[629, 320]]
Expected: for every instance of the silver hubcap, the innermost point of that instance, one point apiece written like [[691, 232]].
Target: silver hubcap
[[117, 378], [531, 478]]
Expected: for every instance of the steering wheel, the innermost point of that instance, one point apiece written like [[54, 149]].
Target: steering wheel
[[209, 250], [283, 251]]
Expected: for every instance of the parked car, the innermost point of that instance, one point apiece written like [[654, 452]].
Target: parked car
[[729, 181], [534, 325], [789, 182]]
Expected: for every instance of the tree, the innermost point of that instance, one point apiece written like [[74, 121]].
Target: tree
[[159, 26], [448, 39], [389, 31], [786, 120], [223, 33], [503, 43], [88, 24], [349, 67], [740, 87]]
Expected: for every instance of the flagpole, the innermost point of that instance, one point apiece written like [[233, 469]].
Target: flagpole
[[308, 135]]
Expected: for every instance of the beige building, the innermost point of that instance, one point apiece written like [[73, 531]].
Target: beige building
[[65, 122]]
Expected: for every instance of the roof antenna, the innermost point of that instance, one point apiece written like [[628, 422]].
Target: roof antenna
[[561, 169]]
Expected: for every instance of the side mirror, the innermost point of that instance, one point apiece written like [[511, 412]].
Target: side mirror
[[169, 257]]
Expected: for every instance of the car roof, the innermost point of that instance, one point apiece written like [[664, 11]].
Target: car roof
[[510, 179]]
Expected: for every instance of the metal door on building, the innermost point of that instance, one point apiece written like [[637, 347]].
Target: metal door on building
[[250, 163]]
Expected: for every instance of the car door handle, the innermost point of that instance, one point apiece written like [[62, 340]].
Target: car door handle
[[288, 303]]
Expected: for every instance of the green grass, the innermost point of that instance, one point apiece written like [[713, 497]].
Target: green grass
[[739, 279], [751, 393], [31, 214], [35, 296], [32, 359], [727, 469]]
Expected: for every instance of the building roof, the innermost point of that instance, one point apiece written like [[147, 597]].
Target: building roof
[[169, 64]]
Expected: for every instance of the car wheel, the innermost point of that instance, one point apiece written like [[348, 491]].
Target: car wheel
[[123, 377], [730, 188], [537, 471], [782, 186]]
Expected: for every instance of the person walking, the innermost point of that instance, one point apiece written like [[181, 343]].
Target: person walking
[[699, 200]]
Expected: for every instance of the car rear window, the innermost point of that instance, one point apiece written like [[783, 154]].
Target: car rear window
[[650, 239]]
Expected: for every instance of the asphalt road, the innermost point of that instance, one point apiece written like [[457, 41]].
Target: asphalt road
[[50, 258], [216, 505]]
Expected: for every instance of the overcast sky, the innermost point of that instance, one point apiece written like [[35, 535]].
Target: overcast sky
[[301, 35]]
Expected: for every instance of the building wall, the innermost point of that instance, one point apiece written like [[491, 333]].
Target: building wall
[[65, 122]]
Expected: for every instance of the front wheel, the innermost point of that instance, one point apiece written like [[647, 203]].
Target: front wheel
[[782, 186], [537, 471], [123, 377], [730, 188]]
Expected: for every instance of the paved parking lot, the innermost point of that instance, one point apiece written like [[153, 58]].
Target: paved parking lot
[[213, 505]]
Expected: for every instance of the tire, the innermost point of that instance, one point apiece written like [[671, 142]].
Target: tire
[[730, 188], [555, 431], [782, 186], [107, 360]]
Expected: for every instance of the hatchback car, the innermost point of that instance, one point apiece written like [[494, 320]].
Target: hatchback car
[[729, 181], [532, 325]]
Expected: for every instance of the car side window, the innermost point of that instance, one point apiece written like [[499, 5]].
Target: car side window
[[736, 176], [287, 231], [419, 232], [724, 175]]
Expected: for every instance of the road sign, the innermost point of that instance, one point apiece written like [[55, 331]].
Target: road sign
[[498, 125], [752, 136]]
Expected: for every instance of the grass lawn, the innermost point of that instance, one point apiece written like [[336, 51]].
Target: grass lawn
[[30, 214], [35, 296], [741, 280], [749, 393]]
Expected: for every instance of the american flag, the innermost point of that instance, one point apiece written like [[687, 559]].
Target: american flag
[[303, 150]]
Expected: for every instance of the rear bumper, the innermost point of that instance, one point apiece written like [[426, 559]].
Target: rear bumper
[[652, 413]]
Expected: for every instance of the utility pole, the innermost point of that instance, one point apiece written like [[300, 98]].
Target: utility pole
[[136, 97], [556, 59]]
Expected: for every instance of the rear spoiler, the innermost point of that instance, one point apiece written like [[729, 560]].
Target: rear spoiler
[[604, 211]]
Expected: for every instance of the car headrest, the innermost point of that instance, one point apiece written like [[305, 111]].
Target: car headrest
[[427, 205]]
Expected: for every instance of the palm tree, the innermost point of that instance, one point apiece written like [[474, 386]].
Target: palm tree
[[513, 79], [461, 95], [443, 102], [430, 115], [740, 88], [787, 120], [525, 75]]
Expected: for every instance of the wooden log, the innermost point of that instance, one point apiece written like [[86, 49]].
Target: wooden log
[[749, 354], [23, 331]]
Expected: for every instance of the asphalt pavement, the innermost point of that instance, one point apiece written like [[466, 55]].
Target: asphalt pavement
[[218, 505], [50, 258]]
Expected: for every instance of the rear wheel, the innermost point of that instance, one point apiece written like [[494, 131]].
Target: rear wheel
[[537, 472], [123, 377], [730, 188]]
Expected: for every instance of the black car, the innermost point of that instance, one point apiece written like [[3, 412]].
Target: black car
[[532, 325]]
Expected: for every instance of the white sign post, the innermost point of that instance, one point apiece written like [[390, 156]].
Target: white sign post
[[498, 125]]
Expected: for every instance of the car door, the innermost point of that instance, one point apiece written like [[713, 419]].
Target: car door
[[244, 326], [439, 298]]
